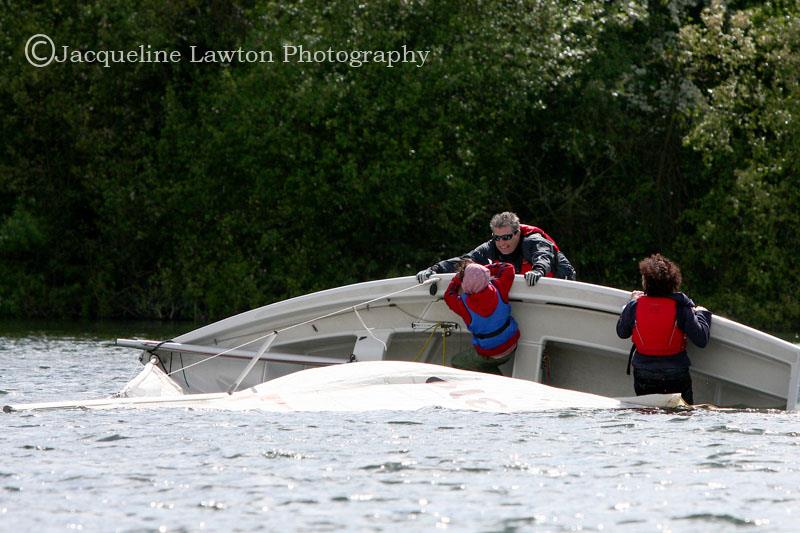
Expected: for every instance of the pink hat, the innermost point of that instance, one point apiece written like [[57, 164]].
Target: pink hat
[[476, 278]]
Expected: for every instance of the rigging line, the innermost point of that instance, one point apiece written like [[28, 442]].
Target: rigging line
[[444, 347], [334, 313], [427, 308], [425, 344], [220, 353], [152, 352], [183, 368], [412, 315], [389, 305], [369, 330]]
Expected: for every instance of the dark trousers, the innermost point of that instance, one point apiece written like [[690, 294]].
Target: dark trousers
[[470, 360], [664, 381]]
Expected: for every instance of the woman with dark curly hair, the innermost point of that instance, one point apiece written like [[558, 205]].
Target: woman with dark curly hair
[[660, 319]]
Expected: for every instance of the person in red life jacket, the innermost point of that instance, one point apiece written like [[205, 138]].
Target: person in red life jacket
[[660, 319], [479, 295], [532, 252]]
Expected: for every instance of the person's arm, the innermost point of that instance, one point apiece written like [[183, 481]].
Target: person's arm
[[696, 324], [539, 252], [452, 298], [563, 268], [627, 320], [481, 255], [503, 274]]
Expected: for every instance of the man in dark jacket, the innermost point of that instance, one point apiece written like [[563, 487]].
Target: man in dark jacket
[[532, 252]]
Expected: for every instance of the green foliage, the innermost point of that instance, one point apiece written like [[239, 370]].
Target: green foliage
[[745, 68], [184, 190]]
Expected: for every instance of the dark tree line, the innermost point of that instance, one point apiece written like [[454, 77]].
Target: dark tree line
[[187, 190]]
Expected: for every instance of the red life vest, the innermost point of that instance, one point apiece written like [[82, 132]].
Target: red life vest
[[526, 266], [656, 330]]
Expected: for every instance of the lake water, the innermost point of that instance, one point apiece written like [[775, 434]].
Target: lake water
[[189, 470]]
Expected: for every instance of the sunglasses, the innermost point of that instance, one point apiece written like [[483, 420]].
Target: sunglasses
[[506, 237]]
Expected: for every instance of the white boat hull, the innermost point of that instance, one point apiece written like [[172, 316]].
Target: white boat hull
[[568, 341]]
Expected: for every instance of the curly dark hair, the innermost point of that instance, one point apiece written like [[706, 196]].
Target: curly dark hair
[[660, 276]]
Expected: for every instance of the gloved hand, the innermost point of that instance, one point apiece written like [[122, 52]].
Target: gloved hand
[[532, 277], [422, 275]]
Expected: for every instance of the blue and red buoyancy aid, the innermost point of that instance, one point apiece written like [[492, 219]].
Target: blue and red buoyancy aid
[[489, 332], [656, 330]]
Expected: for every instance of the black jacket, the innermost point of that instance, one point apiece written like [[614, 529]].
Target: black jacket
[[533, 249]]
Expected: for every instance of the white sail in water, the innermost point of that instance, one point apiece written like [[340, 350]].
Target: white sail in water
[[151, 381], [369, 386]]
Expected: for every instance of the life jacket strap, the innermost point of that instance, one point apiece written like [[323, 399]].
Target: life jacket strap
[[630, 358], [494, 333]]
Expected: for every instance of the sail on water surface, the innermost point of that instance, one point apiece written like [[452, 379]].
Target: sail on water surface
[[366, 386]]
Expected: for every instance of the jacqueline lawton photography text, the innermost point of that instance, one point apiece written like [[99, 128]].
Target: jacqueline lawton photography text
[[42, 51]]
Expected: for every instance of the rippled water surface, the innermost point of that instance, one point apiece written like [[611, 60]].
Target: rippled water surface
[[185, 470]]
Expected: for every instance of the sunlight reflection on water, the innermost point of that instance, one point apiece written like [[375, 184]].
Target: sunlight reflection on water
[[192, 470]]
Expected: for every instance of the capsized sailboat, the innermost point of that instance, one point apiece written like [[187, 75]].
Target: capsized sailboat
[[568, 342]]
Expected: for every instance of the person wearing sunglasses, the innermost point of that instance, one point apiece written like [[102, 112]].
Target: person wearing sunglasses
[[533, 252], [479, 295]]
